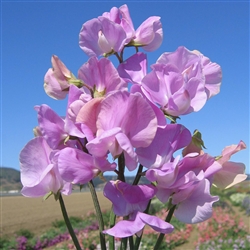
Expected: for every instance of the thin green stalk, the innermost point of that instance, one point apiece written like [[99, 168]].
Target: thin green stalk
[[168, 219], [111, 224], [68, 224], [98, 214], [137, 242], [121, 167], [138, 175], [124, 243], [131, 242]]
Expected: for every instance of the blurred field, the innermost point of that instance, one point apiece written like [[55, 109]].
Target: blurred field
[[18, 212]]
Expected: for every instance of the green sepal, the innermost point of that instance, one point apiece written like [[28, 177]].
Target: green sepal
[[57, 195], [172, 118], [78, 83], [197, 139], [217, 157], [109, 53], [133, 44], [97, 93], [66, 139], [46, 196], [81, 187]]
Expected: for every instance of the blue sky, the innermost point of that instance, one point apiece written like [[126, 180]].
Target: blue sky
[[33, 31]]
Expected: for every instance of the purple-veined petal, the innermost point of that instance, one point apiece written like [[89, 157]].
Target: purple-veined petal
[[149, 34], [132, 113], [231, 174], [101, 76], [39, 175], [34, 159], [88, 37], [52, 87], [76, 166], [136, 223], [106, 142], [167, 140], [51, 126], [114, 34], [161, 119], [88, 114], [134, 68], [198, 206], [128, 198], [130, 156]]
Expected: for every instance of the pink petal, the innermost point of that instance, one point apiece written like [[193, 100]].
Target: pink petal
[[34, 159], [198, 206], [52, 87], [76, 166], [88, 113], [134, 68], [231, 174]]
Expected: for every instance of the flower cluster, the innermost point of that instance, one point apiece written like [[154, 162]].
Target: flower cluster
[[121, 113]]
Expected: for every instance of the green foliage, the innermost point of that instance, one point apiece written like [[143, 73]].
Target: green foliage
[[76, 222], [58, 223], [6, 243], [178, 225], [106, 216], [49, 234], [156, 206], [237, 198], [26, 233]]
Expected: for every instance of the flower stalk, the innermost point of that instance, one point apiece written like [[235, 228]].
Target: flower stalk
[[98, 214], [68, 224], [168, 219]]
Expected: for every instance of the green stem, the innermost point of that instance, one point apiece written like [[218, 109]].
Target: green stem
[[168, 219], [118, 57], [124, 243], [68, 224], [98, 214], [131, 242], [121, 167], [112, 218], [137, 242], [138, 175]]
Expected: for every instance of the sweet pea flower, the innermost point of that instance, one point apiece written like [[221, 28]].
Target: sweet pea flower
[[39, 172], [132, 200], [149, 34], [213, 75], [122, 17], [128, 198], [57, 79], [231, 172], [132, 71], [176, 83], [137, 221], [198, 206], [101, 36], [123, 121], [101, 76], [78, 167], [187, 182]]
